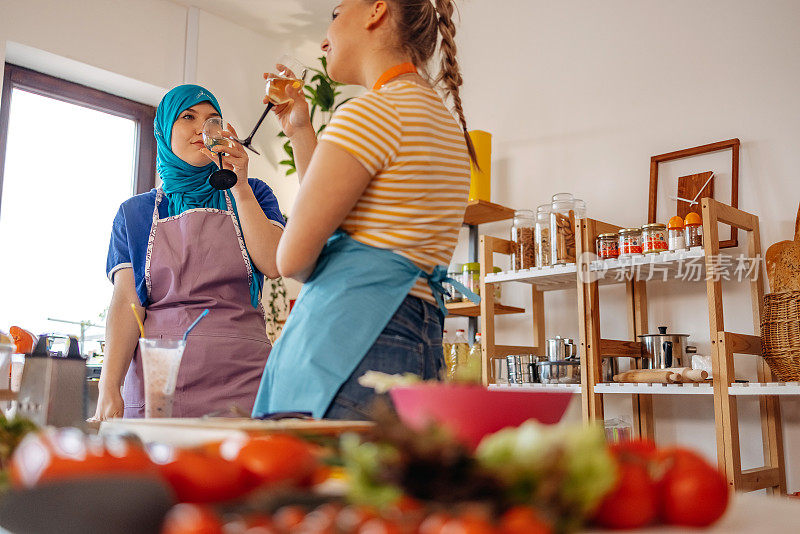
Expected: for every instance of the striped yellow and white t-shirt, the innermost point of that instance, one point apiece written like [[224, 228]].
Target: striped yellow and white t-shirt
[[407, 139]]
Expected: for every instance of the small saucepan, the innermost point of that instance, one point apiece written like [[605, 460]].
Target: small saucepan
[[662, 350]]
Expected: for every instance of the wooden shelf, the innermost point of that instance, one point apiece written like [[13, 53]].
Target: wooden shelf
[[482, 212], [754, 389], [543, 278], [572, 388], [655, 389], [468, 309]]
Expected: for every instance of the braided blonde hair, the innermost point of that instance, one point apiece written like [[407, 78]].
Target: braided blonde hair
[[419, 26]]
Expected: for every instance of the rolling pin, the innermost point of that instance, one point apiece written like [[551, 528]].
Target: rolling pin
[[690, 375], [649, 376]]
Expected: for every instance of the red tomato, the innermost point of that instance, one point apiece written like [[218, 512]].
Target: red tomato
[[523, 520], [467, 524], [632, 503], [274, 459], [680, 457], [380, 525], [350, 518], [191, 519], [643, 450], [197, 477], [288, 517], [693, 495], [58, 454], [434, 523]]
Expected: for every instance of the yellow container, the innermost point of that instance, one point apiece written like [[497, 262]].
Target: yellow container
[[480, 183]]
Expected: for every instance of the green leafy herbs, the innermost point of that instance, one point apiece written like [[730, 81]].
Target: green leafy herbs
[[323, 95], [12, 431], [565, 470]]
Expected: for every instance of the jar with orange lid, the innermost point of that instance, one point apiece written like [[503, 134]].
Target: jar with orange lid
[[654, 238], [676, 238], [693, 229]]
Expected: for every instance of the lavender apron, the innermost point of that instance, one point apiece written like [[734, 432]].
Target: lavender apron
[[197, 260]]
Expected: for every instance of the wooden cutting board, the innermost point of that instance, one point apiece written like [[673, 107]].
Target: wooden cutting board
[[783, 263]]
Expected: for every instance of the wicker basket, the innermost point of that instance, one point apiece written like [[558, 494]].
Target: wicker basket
[[780, 334]]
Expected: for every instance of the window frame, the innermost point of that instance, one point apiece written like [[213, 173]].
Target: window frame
[[16, 77]]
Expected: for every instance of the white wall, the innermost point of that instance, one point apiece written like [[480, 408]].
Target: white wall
[[579, 94], [137, 50]]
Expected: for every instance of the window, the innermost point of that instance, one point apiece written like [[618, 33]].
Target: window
[[69, 155]]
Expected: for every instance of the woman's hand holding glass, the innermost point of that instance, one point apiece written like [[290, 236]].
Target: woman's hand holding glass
[[292, 112], [234, 156]]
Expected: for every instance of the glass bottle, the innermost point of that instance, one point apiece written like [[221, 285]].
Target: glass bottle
[[543, 258], [694, 230], [523, 235], [459, 353]]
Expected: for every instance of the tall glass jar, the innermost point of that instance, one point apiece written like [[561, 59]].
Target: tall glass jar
[[565, 210], [523, 234], [543, 258]]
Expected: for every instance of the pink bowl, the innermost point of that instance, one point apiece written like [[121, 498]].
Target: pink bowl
[[472, 412]]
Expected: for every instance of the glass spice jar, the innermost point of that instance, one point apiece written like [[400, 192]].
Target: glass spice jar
[[523, 234], [543, 258], [654, 238], [565, 210], [693, 230], [456, 274], [630, 242], [675, 237], [471, 278], [607, 246]]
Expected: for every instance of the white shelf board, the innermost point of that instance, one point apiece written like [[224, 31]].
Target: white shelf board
[[574, 388], [688, 265], [766, 388], [544, 278], [655, 389]]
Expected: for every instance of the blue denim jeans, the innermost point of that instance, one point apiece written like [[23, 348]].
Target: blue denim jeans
[[410, 343]]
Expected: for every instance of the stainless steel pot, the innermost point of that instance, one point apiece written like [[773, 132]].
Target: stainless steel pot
[[559, 372], [662, 350]]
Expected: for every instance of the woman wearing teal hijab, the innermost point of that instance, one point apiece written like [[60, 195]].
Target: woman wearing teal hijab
[[185, 247]]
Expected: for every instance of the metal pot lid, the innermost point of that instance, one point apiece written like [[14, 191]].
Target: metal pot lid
[[662, 331]]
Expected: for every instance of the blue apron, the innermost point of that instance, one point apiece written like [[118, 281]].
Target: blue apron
[[349, 299]]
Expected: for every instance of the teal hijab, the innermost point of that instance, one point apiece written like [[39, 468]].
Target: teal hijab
[[186, 186]]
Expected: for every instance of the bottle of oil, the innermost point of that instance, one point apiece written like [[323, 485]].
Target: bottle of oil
[[459, 353], [472, 372], [447, 345]]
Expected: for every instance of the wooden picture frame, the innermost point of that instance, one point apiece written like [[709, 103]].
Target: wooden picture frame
[[730, 144]]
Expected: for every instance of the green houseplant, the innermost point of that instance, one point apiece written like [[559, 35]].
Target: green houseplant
[[323, 96]]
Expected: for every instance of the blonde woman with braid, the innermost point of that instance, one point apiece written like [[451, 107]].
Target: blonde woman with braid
[[381, 201]]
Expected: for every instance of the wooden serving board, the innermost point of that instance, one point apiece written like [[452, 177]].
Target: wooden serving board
[[196, 431]]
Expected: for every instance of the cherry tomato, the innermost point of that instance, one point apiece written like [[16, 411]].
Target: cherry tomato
[[380, 525], [467, 524], [523, 520], [274, 459], [693, 495], [434, 523], [288, 517], [191, 519], [350, 518], [633, 502], [197, 477]]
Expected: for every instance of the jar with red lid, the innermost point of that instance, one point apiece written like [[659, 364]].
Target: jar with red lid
[[654, 238], [630, 242], [608, 246]]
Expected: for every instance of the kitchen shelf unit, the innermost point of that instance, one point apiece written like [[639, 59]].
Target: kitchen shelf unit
[[480, 212], [724, 345], [540, 279]]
